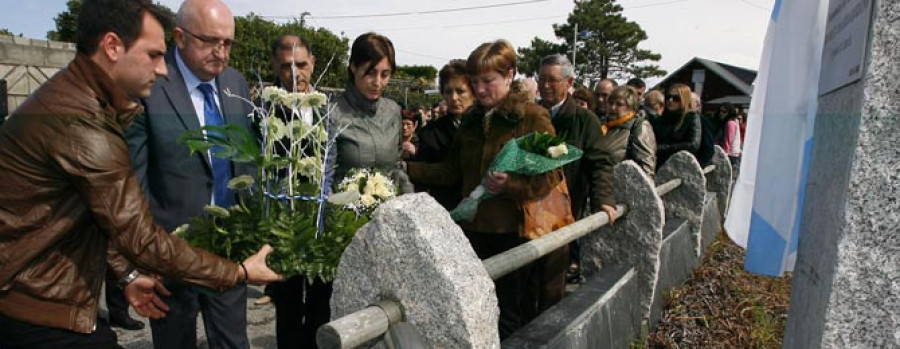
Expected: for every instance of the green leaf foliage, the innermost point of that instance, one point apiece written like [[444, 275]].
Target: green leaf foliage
[[529, 58], [66, 23], [608, 44], [252, 53], [538, 143]]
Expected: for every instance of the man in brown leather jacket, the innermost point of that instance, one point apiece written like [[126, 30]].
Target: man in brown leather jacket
[[70, 205]]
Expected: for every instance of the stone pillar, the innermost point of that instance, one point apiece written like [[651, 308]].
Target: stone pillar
[[719, 180], [635, 238], [846, 287], [414, 254], [686, 201]]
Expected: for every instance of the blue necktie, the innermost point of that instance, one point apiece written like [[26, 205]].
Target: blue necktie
[[221, 168]]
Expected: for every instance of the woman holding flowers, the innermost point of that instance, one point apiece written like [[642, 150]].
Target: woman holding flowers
[[503, 111], [370, 123]]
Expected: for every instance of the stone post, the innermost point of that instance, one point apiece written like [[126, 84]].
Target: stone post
[[686, 201], [633, 240], [414, 254], [846, 286], [719, 180]]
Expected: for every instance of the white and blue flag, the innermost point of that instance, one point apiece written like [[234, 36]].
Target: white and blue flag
[[765, 209]]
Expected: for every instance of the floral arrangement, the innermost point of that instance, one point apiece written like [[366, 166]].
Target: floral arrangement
[[532, 154], [289, 203]]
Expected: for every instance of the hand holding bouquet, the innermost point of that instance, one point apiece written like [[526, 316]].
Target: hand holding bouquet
[[529, 155]]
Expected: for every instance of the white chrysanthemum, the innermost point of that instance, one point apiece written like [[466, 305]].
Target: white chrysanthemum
[[181, 230], [315, 99], [308, 167], [558, 150], [367, 200], [353, 187], [293, 99], [383, 191], [297, 129], [277, 128], [272, 94], [322, 135], [216, 211], [369, 189], [242, 182]]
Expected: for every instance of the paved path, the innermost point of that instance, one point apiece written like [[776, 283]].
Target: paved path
[[260, 326]]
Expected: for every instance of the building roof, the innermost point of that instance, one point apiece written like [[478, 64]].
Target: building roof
[[740, 78]]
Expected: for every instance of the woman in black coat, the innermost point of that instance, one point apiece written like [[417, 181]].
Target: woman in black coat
[[436, 137], [678, 128]]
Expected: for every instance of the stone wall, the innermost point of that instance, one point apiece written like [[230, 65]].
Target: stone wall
[[26, 63], [846, 286]]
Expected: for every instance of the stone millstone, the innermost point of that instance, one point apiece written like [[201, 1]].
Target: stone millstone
[[686, 201], [413, 253], [634, 239]]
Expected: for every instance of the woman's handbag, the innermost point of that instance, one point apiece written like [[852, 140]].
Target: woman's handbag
[[546, 214]]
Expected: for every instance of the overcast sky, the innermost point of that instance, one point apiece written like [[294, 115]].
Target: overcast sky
[[728, 31]]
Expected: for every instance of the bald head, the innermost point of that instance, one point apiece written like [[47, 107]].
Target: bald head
[[204, 34], [603, 89], [194, 11]]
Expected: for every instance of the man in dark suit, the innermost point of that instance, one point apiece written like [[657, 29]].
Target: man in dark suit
[[300, 306], [179, 184]]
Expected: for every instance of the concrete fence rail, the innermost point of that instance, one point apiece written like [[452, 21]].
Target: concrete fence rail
[[419, 270]]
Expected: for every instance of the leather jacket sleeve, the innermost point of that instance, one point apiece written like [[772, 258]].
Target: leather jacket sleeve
[[98, 167]]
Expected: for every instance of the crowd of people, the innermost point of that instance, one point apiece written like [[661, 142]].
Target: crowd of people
[[95, 180]]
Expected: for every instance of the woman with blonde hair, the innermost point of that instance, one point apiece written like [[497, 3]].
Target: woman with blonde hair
[[503, 111], [679, 127]]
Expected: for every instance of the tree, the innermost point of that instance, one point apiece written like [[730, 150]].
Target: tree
[[610, 43], [4, 31], [530, 57], [66, 23], [409, 83]]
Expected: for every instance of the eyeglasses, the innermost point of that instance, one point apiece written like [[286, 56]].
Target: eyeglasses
[[550, 80], [210, 42], [675, 98]]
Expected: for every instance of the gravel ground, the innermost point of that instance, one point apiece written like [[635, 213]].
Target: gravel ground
[[260, 326], [723, 306]]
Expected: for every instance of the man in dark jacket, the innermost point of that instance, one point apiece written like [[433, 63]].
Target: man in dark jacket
[[301, 306], [580, 128], [70, 205], [576, 126]]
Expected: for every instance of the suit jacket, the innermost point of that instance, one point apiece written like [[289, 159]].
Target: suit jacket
[[580, 128], [177, 183]]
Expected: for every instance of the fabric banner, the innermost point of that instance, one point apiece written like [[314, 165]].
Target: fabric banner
[[766, 204]]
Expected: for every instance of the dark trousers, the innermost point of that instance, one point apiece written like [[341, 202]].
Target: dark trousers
[[545, 283], [115, 299], [224, 317], [300, 309], [15, 334], [509, 287]]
